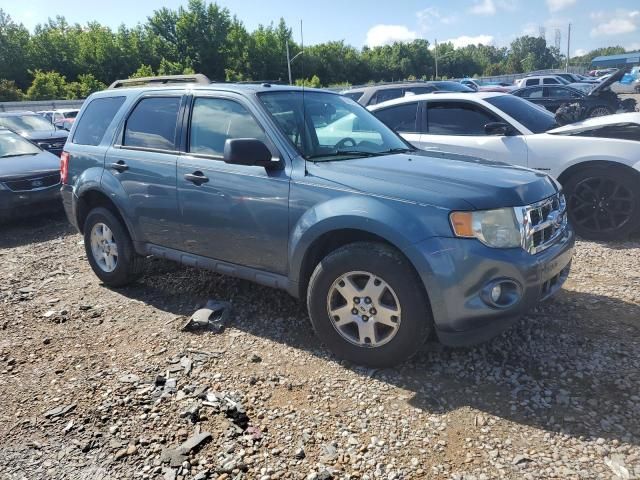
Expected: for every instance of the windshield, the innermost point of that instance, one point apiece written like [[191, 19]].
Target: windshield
[[532, 116], [334, 127], [13, 145], [72, 114], [25, 122], [451, 86]]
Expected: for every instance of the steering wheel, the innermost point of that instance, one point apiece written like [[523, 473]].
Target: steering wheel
[[343, 143]]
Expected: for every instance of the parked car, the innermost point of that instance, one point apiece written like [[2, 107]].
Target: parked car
[[534, 80], [29, 178], [596, 160], [575, 78], [62, 118], [629, 83], [373, 94], [478, 86], [35, 128], [386, 243]]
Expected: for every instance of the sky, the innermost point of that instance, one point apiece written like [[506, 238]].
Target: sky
[[594, 23]]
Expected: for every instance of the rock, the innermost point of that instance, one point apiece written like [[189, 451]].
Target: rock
[[299, 453], [519, 459], [328, 453], [169, 474], [617, 466], [59, 411], [129, 378], [194, 442], [255, 358], [173, 457], [46, 340], [159, 381]]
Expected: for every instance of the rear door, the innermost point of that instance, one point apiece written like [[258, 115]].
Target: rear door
[[235, 213], [458, 127], [405, 118], [555, 96], [143, 162]]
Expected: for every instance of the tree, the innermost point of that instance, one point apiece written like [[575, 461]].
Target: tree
[[143, 71], [83, 87], [313, 82], [47, 86], [9, 92], [14, 41]]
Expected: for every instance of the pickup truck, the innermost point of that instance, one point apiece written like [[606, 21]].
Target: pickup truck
[[387, 244]]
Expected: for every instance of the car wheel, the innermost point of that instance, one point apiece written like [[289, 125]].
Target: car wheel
[[599, 112], [603, 203], [368, 305], [109, 249]]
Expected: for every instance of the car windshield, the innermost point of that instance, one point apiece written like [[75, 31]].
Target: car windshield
[[13, 145], [532, 116], [451, 86], [334, 126], [25, 122], [72, 114]]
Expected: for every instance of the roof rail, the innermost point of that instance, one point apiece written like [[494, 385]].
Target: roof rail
[[198, 78]]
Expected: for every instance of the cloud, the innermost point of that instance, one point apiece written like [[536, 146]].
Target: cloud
[[465, 40], [634, 47], [483, 7], [617, 23], [579, 52], [431, 16], [388, 34], [557, 5]]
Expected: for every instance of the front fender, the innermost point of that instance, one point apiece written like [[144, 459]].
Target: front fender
[[399, 223]]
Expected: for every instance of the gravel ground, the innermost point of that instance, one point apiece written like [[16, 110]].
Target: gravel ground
[[102, 384]]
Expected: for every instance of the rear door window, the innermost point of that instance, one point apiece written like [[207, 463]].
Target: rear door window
[[550, 81], [214, 120], [95, 120], [532, 93], [401, 118], [386, 94], [457, 118], [532, 81], [152, 124], [559, 92]]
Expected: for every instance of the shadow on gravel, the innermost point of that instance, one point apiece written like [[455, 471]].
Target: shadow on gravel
[[573, 366], [37, 229]]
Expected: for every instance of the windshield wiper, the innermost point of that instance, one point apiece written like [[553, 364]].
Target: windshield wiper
[[398, 150], [17, 154], [338, 153]]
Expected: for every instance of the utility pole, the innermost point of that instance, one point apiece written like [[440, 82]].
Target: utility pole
[[290, 60], [436, 59], [566, 68]]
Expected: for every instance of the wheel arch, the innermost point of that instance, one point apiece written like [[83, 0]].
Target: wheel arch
[[93, 198], [576, 167]]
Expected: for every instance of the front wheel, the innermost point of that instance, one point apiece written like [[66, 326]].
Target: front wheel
[[109, 249], [603, 203], [368, 305], [599, 112]]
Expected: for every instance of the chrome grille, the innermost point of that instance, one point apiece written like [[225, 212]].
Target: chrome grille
[[33, 183], [544, 223]]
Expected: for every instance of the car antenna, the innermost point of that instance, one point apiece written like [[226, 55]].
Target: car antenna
[[304, 110]]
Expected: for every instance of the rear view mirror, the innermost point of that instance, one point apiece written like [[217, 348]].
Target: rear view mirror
[[248, 151], [497, 128]]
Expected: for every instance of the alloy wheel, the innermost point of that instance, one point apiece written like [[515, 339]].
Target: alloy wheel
[[364, 309], [104, 247]]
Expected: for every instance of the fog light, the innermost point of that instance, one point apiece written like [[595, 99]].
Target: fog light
[[496, 292]]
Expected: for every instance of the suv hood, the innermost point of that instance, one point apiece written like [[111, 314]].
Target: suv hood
[[605, 85], [16, 167], [451, 181]]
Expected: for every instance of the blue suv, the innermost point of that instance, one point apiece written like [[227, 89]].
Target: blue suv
[[307, 191]]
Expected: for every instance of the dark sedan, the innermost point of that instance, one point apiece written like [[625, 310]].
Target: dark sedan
[[29, 178], [37, 129]]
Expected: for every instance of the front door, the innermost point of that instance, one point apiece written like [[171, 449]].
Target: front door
[[143, 161], [234, 213], [458, 127]]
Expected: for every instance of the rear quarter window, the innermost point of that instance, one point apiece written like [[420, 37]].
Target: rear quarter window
[[95, 120]]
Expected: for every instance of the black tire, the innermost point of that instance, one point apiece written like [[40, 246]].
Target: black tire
[[381, 261], [600, 223], [129, 265], [599, 111]]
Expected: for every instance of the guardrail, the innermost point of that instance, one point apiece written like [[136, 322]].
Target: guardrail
[[35, 106]]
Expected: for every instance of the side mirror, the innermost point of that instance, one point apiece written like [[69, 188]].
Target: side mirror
[[248, 151], [497, 128]]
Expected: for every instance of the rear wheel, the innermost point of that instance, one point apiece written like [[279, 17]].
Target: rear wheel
[[109, 249], [368, 306], [603, 203]]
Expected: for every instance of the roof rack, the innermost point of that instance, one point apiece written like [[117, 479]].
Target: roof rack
[[198, 78]]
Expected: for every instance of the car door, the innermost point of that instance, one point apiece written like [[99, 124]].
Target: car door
[[143, 161], [234, 213], [405, 119], [533, 94], [555, 96], [459, 127]]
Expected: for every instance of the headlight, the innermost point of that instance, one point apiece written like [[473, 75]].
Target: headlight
[[495, 228], [3, 187]]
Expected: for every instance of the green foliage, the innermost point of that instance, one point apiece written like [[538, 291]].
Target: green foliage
[[313, 82], [9, 92], [85, 86], [143, 71], [47, 86]]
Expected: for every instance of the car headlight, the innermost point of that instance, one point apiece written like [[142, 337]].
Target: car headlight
[[3, 187], [495, 228]]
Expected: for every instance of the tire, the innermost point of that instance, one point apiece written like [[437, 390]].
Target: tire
[[128, 265], [367, 263], [599, 111], [595, 194]]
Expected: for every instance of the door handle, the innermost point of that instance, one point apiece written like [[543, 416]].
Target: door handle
[[120, 166], [196, 177]]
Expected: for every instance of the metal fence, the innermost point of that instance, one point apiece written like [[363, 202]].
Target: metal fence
[[39, 105]]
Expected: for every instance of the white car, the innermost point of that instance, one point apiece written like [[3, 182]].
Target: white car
[[62, 118], [597, 161]]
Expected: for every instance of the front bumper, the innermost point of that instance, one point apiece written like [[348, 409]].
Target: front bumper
[[29, 203], [456, 272]]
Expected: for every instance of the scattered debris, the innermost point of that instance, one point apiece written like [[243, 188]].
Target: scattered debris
[[214, 317], [59, 411]]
